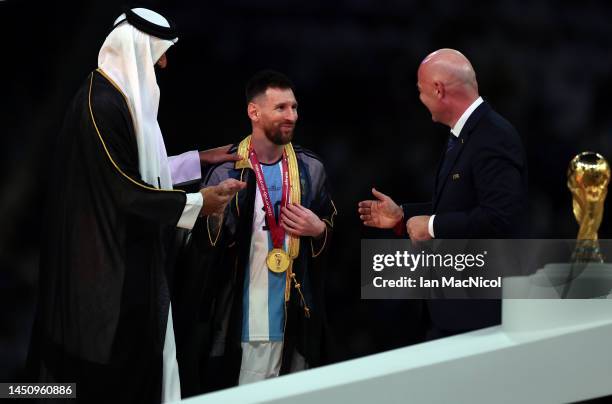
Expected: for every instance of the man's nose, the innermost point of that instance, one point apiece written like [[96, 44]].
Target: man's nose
[[291, 115]]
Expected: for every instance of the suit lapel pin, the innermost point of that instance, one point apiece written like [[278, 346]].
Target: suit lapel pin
[[456, 176]]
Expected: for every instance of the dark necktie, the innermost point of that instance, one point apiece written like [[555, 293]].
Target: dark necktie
[[452, 142], [446, 161]]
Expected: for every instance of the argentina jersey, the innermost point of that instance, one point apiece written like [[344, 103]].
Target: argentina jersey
[[264, 291]]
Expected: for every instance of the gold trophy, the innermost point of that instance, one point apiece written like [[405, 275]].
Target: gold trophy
[[588, 176]]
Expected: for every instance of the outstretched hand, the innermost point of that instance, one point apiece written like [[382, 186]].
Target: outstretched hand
[[382, 213], [217, 155], [216, 197]]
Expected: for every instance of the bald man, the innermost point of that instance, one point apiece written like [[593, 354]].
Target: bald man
[[481, 184]]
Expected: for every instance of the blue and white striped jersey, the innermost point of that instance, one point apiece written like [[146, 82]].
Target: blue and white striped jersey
[[264, 291]]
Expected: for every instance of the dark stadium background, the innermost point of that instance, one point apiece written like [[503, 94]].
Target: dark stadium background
[[545, 65]]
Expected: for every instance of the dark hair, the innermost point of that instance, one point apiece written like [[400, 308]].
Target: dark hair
[[261, 81]]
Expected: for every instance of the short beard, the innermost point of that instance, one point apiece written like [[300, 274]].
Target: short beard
[[277, 137]]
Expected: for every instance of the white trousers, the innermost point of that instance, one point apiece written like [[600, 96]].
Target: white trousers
[[260, 360], [171, 383]]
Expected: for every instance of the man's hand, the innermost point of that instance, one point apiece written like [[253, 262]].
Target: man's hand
[[382, 213], [217, 197], [217, 155], [418, 228], [300, 221]]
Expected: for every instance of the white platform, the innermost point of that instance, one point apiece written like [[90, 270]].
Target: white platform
[[546, 351]]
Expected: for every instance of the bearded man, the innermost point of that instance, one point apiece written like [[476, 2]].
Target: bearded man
[[251, 305]]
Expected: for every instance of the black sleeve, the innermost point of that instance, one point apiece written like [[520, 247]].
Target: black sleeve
[[323, 206]]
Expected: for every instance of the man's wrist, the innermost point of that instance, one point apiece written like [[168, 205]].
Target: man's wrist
[[321, 230], [202, 156], [400, 215], [400, 227]]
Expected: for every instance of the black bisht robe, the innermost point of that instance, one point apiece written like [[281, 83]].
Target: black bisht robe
[[207, 304], [104, 299]]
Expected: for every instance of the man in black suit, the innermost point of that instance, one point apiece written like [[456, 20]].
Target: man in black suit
[[480, 188]]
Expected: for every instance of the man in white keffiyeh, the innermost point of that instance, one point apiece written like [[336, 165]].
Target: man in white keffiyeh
[[104, 319], [128, 57]]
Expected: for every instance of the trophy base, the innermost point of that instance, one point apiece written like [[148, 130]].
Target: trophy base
[[587, 251]]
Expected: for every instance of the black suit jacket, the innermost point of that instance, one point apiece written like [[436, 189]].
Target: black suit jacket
[[480, 192]]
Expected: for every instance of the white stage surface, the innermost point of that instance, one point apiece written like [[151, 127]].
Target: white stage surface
[[546, 351]]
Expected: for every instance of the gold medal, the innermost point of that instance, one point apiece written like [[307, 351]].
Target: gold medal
[[278, 260]]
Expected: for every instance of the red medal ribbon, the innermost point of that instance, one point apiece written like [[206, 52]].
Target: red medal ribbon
[[276, 230]]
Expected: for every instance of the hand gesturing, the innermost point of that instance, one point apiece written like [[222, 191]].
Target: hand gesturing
[[382, 212], [216, 197]]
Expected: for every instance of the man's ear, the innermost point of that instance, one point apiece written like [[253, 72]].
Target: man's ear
[[439, 90], [253, 111]]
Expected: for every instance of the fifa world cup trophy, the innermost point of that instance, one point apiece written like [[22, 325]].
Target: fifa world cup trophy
[[588, 176]]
